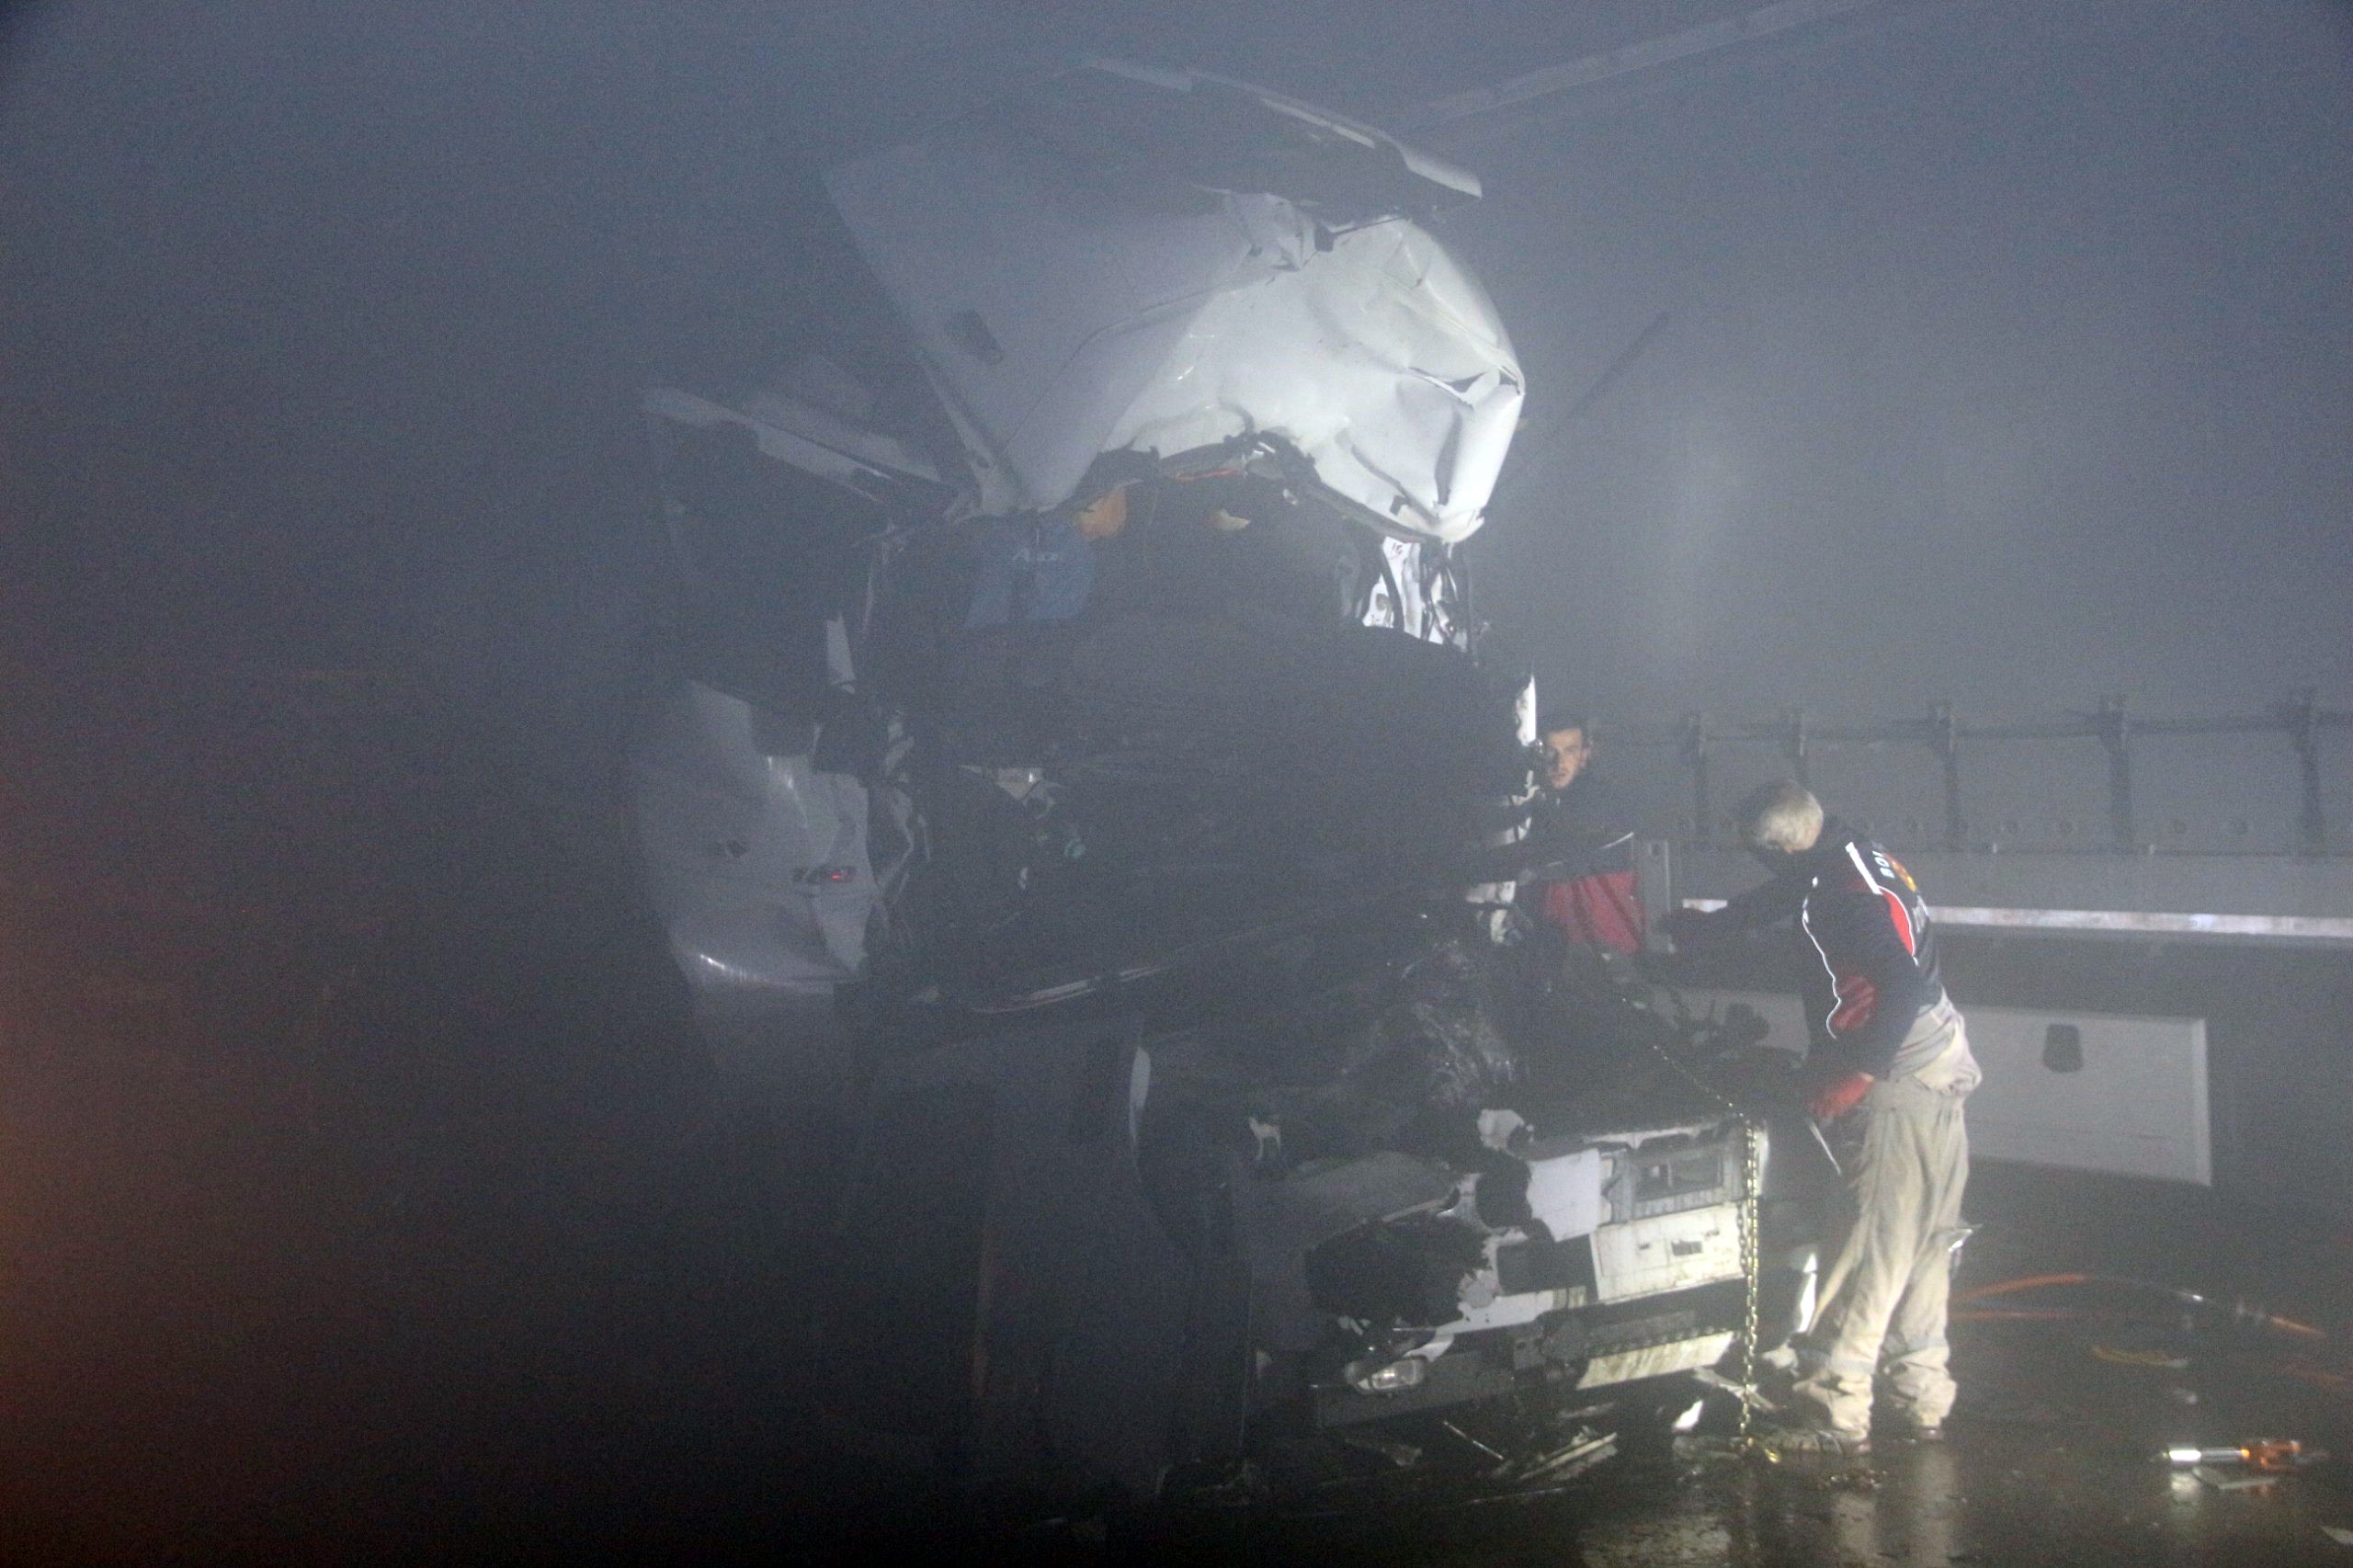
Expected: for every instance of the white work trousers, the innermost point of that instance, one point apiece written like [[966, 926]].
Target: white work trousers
[[1883, 1293]]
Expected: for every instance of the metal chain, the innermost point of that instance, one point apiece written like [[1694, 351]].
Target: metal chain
[[1751, 1245], [1751, 1267]]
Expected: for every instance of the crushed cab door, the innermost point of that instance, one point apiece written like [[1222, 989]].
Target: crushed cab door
[[752, 822]]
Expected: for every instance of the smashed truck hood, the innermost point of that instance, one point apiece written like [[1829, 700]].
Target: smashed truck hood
[[1121, 259]]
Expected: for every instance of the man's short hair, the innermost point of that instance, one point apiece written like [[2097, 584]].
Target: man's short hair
[[1781, 815], [1556, 719]]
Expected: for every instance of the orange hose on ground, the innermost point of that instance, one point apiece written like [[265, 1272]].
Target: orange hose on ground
[[2049, 1314], [2240, 1312], [2033, 1282]]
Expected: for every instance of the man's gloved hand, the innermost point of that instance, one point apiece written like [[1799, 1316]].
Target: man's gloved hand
[[1827, 1099], [1690, 928]]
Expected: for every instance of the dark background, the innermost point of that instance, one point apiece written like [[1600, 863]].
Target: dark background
[[2007, 353], [360, 1186]]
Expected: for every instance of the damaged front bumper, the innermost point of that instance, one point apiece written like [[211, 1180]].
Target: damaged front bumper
[[1068, 1279], [1628, 1266], [1583, 1348]]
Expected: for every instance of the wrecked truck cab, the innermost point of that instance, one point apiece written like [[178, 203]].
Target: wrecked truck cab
[[1077, 712], [1207, 299]]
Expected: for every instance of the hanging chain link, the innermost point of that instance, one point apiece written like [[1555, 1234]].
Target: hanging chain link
[[1751, 1242], [1751, 1266]]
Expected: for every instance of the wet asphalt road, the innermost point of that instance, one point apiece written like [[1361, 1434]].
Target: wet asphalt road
[[240, 1333], [2050, 1457]]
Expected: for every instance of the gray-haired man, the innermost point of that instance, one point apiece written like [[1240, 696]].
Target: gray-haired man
[[1887, 1075]]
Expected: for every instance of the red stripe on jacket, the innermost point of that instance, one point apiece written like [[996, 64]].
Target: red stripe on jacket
[[1604, 910]]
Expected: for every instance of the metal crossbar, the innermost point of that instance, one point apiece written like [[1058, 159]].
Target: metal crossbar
[[2300, 718]]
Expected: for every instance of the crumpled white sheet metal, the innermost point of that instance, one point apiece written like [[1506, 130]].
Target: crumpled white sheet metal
[[730, 835], [1381, 359], [1060, 317]]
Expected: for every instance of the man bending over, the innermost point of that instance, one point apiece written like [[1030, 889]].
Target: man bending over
[[1889, 1070]]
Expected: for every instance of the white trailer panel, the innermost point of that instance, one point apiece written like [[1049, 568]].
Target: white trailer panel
[[2122, 1095]]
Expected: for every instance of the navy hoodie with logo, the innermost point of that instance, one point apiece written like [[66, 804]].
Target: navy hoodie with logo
[[1870, 949]]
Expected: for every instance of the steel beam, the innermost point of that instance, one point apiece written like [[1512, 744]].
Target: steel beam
[[2244, 898]]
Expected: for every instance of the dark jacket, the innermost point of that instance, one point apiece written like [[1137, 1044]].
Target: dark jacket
[[1870, 950], [1584, 829], [1582, 837]]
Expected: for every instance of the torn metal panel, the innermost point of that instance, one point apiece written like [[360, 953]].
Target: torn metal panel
[[1409, 409], [1510, 1311], [1130, 261], [1316, 1205], [755, 860], [1655, 1360], [1564, 1192], [1672, 1252], [791, 431]]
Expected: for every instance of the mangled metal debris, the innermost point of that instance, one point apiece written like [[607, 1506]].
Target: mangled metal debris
[[1079, 706]]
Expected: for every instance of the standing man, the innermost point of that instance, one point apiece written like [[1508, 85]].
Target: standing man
[[1582, 820], [1889, 1069]]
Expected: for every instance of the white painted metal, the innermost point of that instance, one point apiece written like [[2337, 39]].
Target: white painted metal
[[2156, 922], [793, 432], [2303, 900], [1641, 1257], [1509, 1312], [1063, 310], [1667, 1252], [1642, 55], [1655, 1360], [2130, 922], [737, 844], [1565, 1192], [2137, 1107]]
